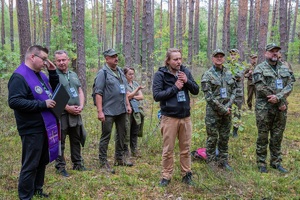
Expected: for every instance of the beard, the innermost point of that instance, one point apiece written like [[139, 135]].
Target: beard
[[273, 59]]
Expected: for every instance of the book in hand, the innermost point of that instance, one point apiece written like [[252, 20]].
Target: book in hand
[[61, 97]]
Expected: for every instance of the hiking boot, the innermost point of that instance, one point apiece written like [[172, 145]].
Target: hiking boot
[[80, 168], [136, 154], [123, 162], [164, 182], [235, 132], [262, 169], [39, 193], [187, 179], [226, 166], [280, 168], [63, 172], [105, 165]]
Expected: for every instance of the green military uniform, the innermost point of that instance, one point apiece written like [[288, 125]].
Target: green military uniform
[[250, 85], [220, 91], [271, 80]]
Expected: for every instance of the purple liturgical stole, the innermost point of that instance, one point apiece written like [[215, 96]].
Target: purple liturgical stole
[[39, 93]]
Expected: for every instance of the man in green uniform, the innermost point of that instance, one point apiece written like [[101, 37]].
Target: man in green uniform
[[250, 84], [71, 121], [273, 83], [219, 89], [238, 72]]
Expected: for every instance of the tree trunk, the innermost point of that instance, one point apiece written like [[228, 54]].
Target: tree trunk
[[171, 23], [59, 13], [283, 27], [274, 19], [144, 45], [289, 21], [127, 34], [209, 38], [179, 24], [150, 42], [23, 27], [295, 21], [215, 28], [104, 38], [226, 26], [11, 23], [74, 31], [196, 29], [184, 11], [2, 26], [242, 27], [263, 29], [251, 26], [190, 33], [80, 45], [257, 21], [46, 25], [137, 33], [97, 17], [118, 25]]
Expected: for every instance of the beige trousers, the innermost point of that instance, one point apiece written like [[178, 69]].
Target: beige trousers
[[170, 129]]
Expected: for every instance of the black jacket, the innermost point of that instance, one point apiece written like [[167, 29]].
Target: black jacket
[[27, 110], [165, 91]]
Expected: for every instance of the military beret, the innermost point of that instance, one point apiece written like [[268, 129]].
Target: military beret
[[253, 56], [234, 51], [272, 46], [109, 52], [218, 51]]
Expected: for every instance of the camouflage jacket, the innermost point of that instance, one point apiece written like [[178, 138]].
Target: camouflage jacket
[[212, 81], [264, 78]]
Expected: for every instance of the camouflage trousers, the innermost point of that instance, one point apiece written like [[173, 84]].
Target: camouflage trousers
[[270, 121], [218, 130]]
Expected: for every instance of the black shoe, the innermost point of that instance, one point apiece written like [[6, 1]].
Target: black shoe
[[105, 165], [123, 163], [164, 182], [63, 172], [234, 133], [187, 179], [280, 168], [39, 193], [262, 169], [226, 166], [80, 168]]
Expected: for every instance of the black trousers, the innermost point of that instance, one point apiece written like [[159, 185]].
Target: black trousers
[[107, 125], [35, 157]]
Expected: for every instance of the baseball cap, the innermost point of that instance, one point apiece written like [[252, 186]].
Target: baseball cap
[[253, 56], [109, 52], [234, 51], [218, 51], [272, 46]]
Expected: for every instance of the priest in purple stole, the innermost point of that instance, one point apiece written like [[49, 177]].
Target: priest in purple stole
[[30, 93]]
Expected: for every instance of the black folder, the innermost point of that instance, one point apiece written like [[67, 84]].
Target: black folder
[[61, 97]]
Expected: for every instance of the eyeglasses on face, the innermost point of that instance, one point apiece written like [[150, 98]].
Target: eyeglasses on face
[[44, 59]]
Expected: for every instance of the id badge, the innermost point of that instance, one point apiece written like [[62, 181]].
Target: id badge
[[181, 96], [122, 89], [279, 84], [223, 93], [73, 92]]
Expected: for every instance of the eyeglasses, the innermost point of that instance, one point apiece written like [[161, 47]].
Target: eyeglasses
[[45, 60]]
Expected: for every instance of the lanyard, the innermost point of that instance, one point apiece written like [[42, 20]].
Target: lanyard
[[276, 73], [220, 77], [44, 86]]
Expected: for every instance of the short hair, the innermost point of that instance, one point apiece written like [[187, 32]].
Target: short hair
[[126, 69], [61, 52], [168, 54], [36, 49]]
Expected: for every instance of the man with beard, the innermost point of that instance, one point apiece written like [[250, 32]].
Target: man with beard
[[273, 83]]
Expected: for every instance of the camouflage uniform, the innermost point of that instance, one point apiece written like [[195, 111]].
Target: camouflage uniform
[[250, 86], [268, 116], [218, 124]]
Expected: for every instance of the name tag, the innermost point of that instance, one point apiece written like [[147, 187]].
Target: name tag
[[122, 89], [279, 84], [181, 96], [223, 93], [73, 92]]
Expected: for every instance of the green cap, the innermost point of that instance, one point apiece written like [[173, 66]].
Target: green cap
[[109, 52], [218, 51], [272, 46], [234, 51]]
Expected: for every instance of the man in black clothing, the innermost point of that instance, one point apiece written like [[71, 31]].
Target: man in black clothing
[[29, 96]]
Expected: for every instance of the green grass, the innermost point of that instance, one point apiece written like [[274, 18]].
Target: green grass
[[141, 181]]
